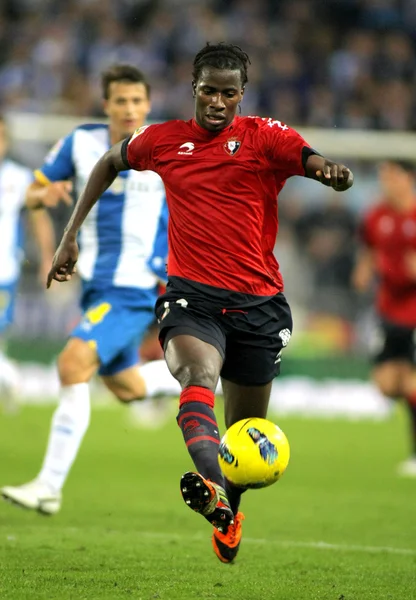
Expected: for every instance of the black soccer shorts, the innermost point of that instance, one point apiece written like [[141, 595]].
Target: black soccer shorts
[[394, 343], [248, 331]]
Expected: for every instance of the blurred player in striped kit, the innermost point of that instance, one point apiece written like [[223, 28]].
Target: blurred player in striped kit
[[122, 261], [14, 179]]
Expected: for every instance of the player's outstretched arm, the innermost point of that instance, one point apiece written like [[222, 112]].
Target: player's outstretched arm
[[331, 174], [100, 179], [364, 270]]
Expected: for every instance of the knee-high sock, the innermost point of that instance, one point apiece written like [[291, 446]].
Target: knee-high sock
[[199, 427], [234, 495], [69, 424]]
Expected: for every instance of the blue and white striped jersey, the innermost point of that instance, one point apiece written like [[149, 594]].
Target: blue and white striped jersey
[[14, 179], [123, 240]]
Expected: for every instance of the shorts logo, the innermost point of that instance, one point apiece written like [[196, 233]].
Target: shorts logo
[[188, 148], [232, 146], [285, 335], [166, 305], [166, 311]]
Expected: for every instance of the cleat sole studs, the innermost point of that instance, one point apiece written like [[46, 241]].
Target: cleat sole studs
[[184, 489], [188, 502]]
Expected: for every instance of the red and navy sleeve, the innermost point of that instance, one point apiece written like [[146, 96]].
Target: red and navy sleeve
[[285, 148]]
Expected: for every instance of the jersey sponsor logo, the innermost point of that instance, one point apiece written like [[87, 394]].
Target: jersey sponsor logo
[[138, 132], [188, 148], [232, 146]]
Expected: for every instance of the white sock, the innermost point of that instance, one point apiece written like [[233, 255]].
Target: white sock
[[9, 374], [158, 379], [69, 424]]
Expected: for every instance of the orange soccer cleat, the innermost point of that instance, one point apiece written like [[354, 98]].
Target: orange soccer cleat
[[226, 545]]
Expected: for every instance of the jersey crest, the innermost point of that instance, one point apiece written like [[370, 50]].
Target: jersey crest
[[232, 146]]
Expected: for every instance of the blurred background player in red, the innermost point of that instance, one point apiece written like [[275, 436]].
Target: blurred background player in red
[[388, 256]]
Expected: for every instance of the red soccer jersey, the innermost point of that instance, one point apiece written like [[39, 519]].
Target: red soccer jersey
[[221, 190], [392, 235]]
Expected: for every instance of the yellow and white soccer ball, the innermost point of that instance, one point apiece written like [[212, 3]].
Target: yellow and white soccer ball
[[253, 453]]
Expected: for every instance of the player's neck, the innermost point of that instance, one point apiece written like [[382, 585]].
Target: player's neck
[[115, 136]]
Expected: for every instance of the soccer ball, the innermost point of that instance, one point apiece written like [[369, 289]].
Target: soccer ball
[[253, 453]]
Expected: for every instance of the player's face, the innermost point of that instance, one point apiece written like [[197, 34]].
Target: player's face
[[217, 95], [396, 182], [3, 140], [127, 107]]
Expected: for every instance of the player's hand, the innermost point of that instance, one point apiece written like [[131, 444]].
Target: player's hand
[[335, 175], [64, 261], [55, 192]]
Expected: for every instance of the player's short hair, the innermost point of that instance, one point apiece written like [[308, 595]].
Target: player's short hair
[[125, 73], [406, 165], [221, 56]]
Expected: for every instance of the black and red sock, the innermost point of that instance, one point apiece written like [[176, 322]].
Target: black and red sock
[[234, 495], [198, 423]]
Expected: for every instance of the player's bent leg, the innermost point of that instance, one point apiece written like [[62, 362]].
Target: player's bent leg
[[147, 381], [127, 385], [244, 401], [130, 387], [196, 365], [76, 364], [78, 361]]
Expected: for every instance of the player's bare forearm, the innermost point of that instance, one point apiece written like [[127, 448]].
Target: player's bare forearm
[[100, 179], [329, 173], [364, 271]]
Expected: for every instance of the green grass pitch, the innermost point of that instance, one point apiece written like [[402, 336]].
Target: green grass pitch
[[339, 525]]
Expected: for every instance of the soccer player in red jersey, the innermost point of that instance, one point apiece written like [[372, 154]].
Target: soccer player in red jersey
[[388, 233], [224, 313]]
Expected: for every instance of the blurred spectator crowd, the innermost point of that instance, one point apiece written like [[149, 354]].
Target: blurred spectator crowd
[[322, 63], [346, 63]]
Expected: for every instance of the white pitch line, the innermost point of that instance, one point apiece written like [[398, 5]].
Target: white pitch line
[[292, 544], [246, 540]]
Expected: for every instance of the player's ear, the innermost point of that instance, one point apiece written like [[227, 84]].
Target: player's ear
[[194, 88], [105, 107], [242, 91]]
